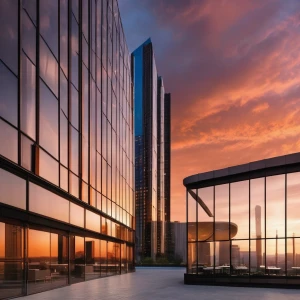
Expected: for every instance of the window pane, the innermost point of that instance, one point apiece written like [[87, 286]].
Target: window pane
[[92, 221], [74, 51], [222, 213], [74, 107], [64, 93], [85, 192], [64, 35], [28, 37], [59, 260], [74, 150], [77, 259], [9, 33], [239, 208], [48, 167], [275, 206], [28, 108], [240, 257], [63, 139], [39, 261], [30, 7], [8, 95], [76, 215], [257, 207], [257, 258], [275, 256], [103, 257], [92, 256], [26, 152], [74, 185], [48, 67], [11, 248], [9, 149], [293, 256], [45, 203], [205, 206], [48, 120], [292, 205], [64, 178], [9, 193], [49, 23]]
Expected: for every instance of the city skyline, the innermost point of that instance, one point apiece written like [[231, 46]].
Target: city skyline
[[232, 69]]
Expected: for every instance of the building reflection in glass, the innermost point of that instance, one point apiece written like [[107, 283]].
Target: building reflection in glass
[[229, 235]]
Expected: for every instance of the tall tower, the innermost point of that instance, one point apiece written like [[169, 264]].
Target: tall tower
[[258, 236], [145, 119]]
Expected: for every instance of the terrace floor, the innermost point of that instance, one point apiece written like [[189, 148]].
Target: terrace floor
[[156, 284]]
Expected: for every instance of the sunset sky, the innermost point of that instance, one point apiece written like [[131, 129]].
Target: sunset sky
[[233, 69]]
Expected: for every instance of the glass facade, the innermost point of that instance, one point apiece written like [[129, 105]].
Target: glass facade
[[243, 228], [66, 115]]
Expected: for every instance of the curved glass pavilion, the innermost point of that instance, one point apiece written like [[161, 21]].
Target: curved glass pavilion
[[244, 224]]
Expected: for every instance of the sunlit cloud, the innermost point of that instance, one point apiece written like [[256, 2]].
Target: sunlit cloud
[[233, 69]]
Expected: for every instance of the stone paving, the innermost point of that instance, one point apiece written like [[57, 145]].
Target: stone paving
[[156, 284]]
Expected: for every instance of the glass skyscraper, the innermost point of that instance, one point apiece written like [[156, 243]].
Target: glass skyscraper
[[150, 149], [66, 152]]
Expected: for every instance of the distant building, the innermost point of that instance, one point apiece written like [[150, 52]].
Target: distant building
[[151, 169]]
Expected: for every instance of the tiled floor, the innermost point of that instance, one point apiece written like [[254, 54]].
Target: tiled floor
[[155, 284]]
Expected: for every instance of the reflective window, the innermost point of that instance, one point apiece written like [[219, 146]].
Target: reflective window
[[92, 221], [44, 202], [11, 260], [9, 149], [74, 107], [292, 204], [28, 36], [49, 23], [48, 120], [92, 258], [9, 33], [28, 106], [48, 167], [240, 257], [63, 139], [74, 185], [76, 215], [8, 95], [9, 194], [275, 206], [64, 94], [39, 273], [74, 150], [74, 51], [257, 257], [293, 257], [257, 208], [222, 214], [30, 7], [77, 259], [64, 35], [205, 205], [26, 153], [64, 178], [48, 67], [85, 192], [239, 208], [59, 267], [275, 256]]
